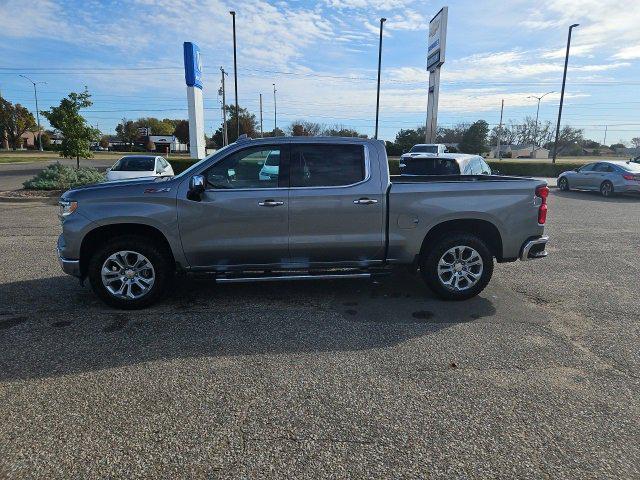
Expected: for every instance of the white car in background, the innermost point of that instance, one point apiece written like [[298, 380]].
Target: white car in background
[[139, 166], [271, 167]]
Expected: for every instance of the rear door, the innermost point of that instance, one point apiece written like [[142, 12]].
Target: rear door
[[336, 208]]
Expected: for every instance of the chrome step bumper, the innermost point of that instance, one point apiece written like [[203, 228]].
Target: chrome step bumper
[[535, 248]]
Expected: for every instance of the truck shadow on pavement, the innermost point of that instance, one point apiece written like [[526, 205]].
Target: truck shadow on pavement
[[51, 327]]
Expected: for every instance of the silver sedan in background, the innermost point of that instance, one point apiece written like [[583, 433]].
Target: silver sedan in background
[[607, 177]]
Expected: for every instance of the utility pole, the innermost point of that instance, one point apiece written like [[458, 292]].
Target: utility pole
[[35, 92], [225, 137], [382, 20], [261, 132], [235, 72], [275, 112], [535, 132], [500, 130], [564, 81], [604, 142]]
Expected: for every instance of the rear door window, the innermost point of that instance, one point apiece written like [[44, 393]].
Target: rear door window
[[326, 165], [431, 166]]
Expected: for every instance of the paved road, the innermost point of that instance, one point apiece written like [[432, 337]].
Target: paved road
[[536, 378], [12, 175]]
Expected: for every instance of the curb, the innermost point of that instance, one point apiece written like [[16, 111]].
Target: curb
[[45, 200]]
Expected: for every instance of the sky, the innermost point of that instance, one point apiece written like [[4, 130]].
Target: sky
[[322, 55]]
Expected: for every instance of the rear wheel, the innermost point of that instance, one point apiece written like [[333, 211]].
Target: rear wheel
[[606, 188], [457, 267], [563, 184], [129, 272]]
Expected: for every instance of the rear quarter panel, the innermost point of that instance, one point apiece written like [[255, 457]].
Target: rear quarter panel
[[415, 208]]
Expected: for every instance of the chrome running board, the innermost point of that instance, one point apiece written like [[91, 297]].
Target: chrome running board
[[277, 278]]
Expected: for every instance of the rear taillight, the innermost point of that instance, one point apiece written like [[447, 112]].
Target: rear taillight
[[631, 176], [543, 193]]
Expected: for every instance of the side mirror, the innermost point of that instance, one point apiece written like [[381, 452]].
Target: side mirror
[[196, 187]]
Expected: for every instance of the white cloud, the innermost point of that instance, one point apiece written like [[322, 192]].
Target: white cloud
[[628, 53]]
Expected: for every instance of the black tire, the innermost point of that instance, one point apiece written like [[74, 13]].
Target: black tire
[[606, 188], [158, 256], [563, 184], [430, 260]]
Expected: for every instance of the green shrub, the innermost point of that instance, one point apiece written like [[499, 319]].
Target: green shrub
[[531, 169], [61, 177]]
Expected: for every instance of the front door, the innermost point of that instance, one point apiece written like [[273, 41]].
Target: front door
[[336, 209], [242, 217]]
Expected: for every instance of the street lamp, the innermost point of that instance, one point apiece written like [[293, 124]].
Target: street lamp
[[235, 71], [275, 112], [382, 20], [564, 81], [35, 92], [535, 132]]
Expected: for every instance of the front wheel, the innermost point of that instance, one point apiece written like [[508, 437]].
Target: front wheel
[[458, 266], [606, 189], [563, 184], [129, 272]]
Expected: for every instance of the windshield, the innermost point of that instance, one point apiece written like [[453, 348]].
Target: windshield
[[431, 166], [424, 149], [135, 164], [631, 167]]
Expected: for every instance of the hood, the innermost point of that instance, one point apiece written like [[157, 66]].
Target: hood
[[116, 184]]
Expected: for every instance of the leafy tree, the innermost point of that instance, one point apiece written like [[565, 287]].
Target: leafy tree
[[635, 141], [127, 131], [617, 146], [303, 128], [15, 120], [569, 140], [407, 138], [248, 125], [342, 131], [77, 134], [181, 131], [104, 141], [156, 126], [451, 135], [474, 139], [277, 132]]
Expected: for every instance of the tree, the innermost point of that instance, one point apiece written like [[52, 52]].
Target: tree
[[635, 141], [617, 146], [181, 131], [407, 138], [127, 131], [276, 132], [569, 140], [15, 120], [342, 131], [66, 118], [451, 135], [104, 142], [155, 126], [474, 139], [303, 128], [248, 125]]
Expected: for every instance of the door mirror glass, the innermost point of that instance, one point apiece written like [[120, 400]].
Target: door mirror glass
[[196, 186]]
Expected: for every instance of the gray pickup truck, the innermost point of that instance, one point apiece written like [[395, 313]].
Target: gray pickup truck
[[295, 209]]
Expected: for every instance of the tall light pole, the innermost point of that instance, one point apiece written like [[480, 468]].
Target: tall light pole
[[35, 92], [535, 132], [225, 137], [275, 112], [261, 132], [564, 81], [500, 130], [235, 71], [382, 20]]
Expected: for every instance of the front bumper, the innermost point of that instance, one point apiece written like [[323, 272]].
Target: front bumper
[[70, 267], [534, 248]]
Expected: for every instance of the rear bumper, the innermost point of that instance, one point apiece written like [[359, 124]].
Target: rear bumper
[[70, 267], [534, 248]]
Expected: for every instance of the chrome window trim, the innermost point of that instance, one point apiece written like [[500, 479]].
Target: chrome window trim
[[367, 177]]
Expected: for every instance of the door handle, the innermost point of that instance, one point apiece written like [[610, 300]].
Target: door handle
[[270, 203], [365, 201]]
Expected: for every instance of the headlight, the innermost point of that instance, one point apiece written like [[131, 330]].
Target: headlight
[[67, 207]]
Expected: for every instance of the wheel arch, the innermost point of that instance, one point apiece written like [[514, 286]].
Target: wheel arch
[[484, 229], [100, 235]]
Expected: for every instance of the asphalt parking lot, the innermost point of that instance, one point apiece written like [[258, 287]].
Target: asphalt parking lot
[[536, 378]]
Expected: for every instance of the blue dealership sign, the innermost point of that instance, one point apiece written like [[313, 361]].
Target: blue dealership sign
[[192, 65]]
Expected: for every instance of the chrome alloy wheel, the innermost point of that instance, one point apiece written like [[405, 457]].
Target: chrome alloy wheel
[[460, 268], [128, 275]]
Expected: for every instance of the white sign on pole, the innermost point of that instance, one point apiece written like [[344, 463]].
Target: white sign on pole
[[437, 39], [193, 78]]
